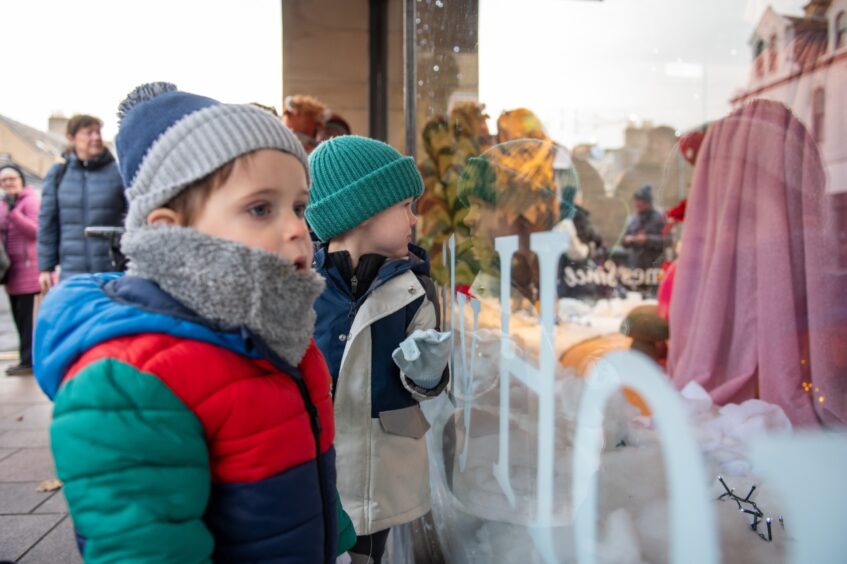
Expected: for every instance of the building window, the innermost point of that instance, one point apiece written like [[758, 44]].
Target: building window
[[757, 58], [840, 30], [818, 114], [772, 54]]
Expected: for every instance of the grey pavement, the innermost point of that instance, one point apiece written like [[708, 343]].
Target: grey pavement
[[34, 526]]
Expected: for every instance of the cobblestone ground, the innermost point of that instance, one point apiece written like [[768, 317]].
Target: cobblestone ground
[[34, 526]]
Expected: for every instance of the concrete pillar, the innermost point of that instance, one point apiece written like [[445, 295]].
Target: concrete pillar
[[325, 54], [447, 56]]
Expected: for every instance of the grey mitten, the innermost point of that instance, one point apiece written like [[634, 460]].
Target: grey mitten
[[422, 357]]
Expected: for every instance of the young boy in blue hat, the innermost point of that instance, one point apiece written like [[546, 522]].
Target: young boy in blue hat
[[377, 325], [193, 418]]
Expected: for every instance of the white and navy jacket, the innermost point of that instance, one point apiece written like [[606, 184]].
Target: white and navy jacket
[[382, 466]]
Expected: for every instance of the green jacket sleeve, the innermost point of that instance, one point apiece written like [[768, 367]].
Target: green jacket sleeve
[[346, 532], [134, 462]]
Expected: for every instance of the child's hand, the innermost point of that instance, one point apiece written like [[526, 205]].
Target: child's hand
[[422, 356]]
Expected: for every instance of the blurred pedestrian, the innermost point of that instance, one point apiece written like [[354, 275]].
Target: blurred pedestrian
[[84, 191], [305, 116], [334, 126], [19, 224], [644, 232]]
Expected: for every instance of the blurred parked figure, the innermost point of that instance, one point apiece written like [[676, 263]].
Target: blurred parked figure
[[86, 190], [305, 116], [571, 206], [334, 126], [608, 213], [644, 235], [19, 223], [758, 306], [585, 245]]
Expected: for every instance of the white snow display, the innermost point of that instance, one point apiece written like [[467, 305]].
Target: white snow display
[[487, 506], [477, 523]]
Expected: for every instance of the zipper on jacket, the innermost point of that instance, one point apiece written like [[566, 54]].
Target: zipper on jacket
[[354, 283], [314, 420], [85, 221]]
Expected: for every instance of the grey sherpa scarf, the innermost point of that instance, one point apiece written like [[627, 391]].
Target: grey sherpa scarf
[[229, 283]]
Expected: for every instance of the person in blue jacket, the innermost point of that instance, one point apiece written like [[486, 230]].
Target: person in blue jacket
[[86, 190], [193, 416], [377, 325]]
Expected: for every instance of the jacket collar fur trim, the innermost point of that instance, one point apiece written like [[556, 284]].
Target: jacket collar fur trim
[[229, 283]]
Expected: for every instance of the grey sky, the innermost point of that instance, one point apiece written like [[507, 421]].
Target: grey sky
[[585, 67], [85, 55]]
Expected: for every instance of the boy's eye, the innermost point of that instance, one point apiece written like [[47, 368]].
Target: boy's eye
[[260, 210], [300, 210]]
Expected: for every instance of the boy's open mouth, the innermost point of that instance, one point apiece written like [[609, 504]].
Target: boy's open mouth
[[300, 263]]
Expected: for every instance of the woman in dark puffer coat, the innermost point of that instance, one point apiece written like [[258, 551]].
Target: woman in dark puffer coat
[[85, 191]]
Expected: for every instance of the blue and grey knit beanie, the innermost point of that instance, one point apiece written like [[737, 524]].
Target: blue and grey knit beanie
[[169, 139], [355, 178]]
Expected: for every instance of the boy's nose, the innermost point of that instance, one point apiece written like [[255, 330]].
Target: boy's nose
[[296, 229]]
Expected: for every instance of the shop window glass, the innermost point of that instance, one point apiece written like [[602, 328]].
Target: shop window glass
[[688, 189]]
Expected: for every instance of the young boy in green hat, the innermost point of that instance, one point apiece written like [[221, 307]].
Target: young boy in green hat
[[378, 327]]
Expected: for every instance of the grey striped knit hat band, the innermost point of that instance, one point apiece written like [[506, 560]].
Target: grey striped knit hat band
[[199, 144]]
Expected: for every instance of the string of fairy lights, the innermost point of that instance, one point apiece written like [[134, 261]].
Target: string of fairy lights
[[748, 507]]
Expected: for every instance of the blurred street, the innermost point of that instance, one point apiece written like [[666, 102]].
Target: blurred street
[[34, 526]]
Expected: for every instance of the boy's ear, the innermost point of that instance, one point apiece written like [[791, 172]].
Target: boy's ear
[[164, 216]]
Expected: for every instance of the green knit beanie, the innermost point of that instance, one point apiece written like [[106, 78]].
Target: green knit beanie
[[354, 178]]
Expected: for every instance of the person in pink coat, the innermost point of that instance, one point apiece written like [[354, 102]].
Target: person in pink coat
[[18, 226]]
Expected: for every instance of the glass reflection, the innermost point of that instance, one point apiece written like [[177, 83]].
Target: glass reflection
[[695, 157]]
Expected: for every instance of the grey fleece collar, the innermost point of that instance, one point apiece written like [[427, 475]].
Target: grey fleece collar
[[229, 283]]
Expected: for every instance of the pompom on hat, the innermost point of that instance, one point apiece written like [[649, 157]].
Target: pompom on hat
[[168, 139], [355, 178]]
